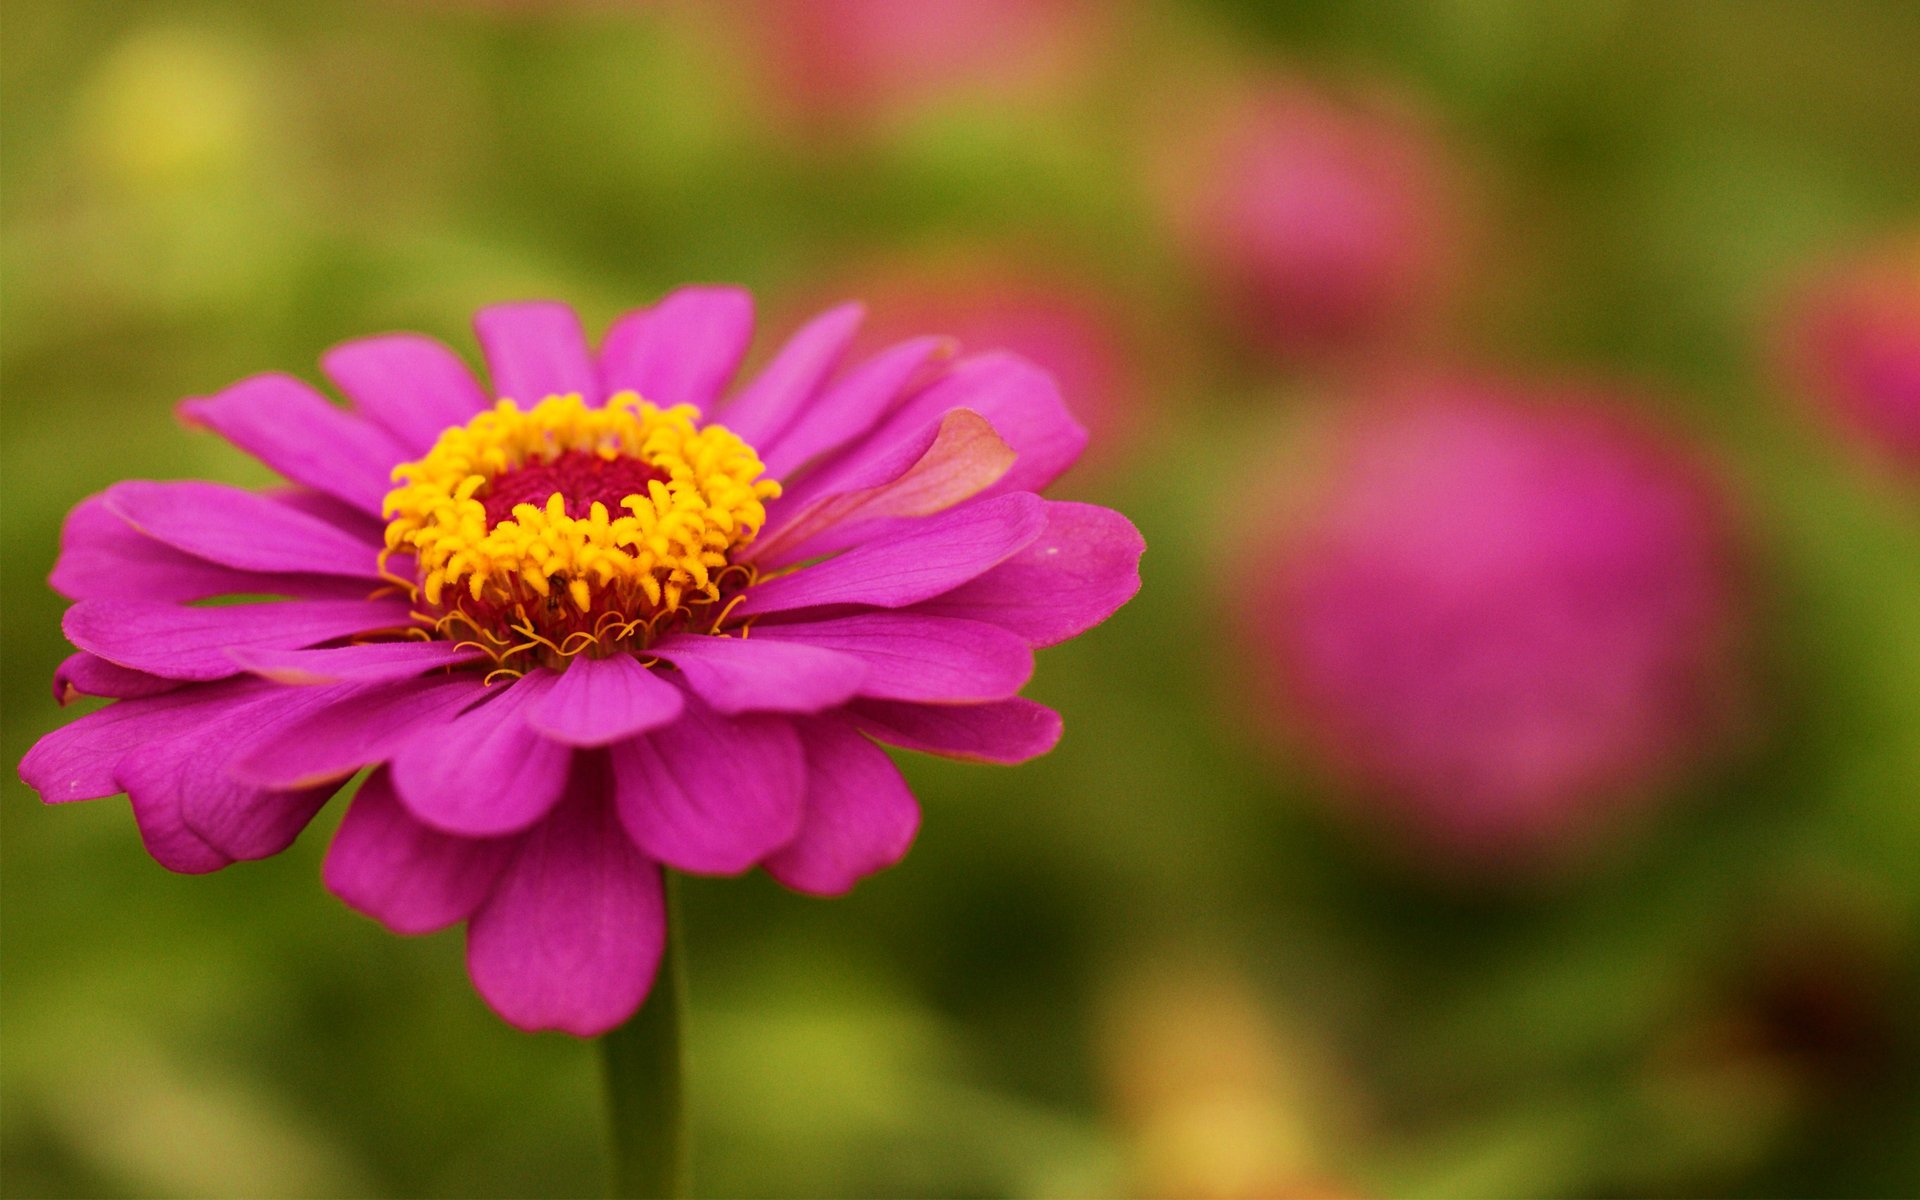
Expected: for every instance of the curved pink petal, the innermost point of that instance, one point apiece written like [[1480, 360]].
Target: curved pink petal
[[486, 773], [359, 725], [407, 383], [860, 814], [918, 561], [711, 794], [164, 832], [77, 760], [851, 406], [183, 642], [535, 349], [767, 405], [683, 350], [238, 528], [186, 776], [1072, 577], [370, 662], [737, 675], [572, 934], [938, 660], [1020, 400], [304, 436], [103, 557], [954, 459], [410, 878], [598, 701], [1007, 732], [84, 674]]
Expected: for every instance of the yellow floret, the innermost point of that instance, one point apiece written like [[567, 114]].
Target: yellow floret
[[664, 547]]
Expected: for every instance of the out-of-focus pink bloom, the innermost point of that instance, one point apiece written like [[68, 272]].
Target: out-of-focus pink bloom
[[1324, 225], [1854, 345], [1077, 335], [1503, 617], [855, 60]]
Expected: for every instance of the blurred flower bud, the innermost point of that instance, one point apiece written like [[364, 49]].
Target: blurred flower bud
[[171, 108], [1323, 225], [857, 61], [1217, 1095], [1502, 617], [1853, 345]]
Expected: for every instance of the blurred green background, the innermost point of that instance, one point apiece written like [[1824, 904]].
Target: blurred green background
[[1149, 963]]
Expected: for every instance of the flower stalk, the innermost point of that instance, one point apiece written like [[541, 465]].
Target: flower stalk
[[645, 1077]]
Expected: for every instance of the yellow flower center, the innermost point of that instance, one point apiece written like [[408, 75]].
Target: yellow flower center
[[559, 529]]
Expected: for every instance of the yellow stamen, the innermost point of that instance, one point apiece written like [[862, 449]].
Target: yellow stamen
[[555, 578]]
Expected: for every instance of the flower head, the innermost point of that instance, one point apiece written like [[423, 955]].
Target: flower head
[[841, 62], [1322, 225], [1854, 344], [592, 619], [1503, 616]]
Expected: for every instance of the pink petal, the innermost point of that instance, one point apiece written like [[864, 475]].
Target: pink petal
[[409, 384], [84, 674], [1019, 399], [182, 642], [955, 458], [299, 433], [1007, 732], [77, 760], [736, 675], [919, 561], [164, 832], [851, 406], [711, 794], [683, 350], [102, 557], [1069, 579], [371, 662], [768, 404], [410, 878], [598, 701], [486, 773], [572, 934], [242, 529], [362, 725], [909, 657], [187, 777], [536, 349], [860, 814]]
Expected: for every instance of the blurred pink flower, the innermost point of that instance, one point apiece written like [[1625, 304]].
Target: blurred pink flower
[[1853, 342], [1502, 616], [1323, 224], [841, 60]]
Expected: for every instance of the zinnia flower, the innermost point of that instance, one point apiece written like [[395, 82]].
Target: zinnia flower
[[855, 61], [1503, 616], [1854, 345], [579, 630], [1323, 226]]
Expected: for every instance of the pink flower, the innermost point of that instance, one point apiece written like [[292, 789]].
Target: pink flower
[[864, 60], [1854, 345], [1503, 616], [584, 637], [1322, 225]]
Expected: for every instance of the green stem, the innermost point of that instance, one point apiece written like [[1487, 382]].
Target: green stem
[[646, 1101]]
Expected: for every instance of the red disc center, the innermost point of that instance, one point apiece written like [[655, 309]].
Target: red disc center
[[581, 477]]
